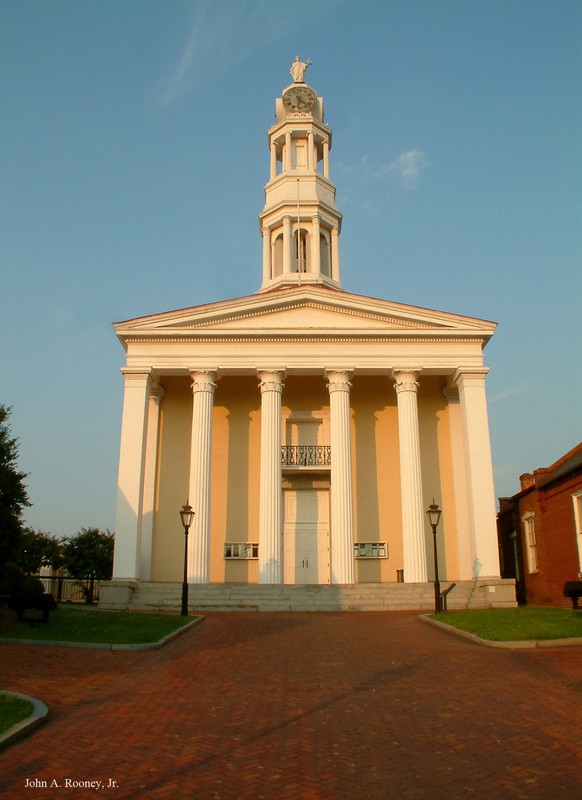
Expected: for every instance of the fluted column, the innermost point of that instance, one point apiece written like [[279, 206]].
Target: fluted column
[[149, 481], [199, 486], [414, 547], [342, 516], [270, 501], [132, 451], [465, 544], [479, 470]]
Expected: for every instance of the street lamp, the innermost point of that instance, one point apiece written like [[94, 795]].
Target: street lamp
[[434, 515], [186, 515]]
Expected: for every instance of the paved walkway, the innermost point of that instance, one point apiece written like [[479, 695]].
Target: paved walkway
[[322, 706]]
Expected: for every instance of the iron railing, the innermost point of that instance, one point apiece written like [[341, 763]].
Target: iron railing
[[305, 455], [69, 590]]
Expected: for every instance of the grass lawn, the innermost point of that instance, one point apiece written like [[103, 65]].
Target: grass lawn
[[517, 624], [12, 711], [71, 623]]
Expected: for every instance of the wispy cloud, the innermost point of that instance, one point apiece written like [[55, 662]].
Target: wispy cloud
[[222, 34], [511, 391], [408, 167]]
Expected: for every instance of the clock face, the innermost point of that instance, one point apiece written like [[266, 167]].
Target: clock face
[[299, 98]]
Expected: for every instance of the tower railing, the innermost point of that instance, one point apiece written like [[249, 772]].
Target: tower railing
[[305, 455]]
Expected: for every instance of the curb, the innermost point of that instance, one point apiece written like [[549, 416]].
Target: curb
[[527, 644], [101, 646], [21, 729]]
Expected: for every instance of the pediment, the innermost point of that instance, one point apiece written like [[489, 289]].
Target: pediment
[[309, 310]]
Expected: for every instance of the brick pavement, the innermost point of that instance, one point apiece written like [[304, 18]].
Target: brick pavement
[[282, 706]]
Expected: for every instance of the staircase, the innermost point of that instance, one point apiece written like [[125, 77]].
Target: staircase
[[489, 593]]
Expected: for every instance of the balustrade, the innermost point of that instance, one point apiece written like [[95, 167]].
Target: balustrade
[[305, 455]]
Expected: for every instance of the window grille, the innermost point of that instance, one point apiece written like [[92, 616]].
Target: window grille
[[241, 550], [370, 550]]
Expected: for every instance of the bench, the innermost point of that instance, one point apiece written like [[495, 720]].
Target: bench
[[573, 590]]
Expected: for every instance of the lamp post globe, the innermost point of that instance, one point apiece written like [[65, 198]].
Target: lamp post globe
[[186, 516]]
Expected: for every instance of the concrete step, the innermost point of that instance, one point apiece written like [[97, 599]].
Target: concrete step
[[482, 593]]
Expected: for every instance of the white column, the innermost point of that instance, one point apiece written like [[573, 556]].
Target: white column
[[342, 516], [273, 160], [270, 500], [287, 242], [479, 470], [465, 547], [287, 162], [149, 482], [326, 159], [199, 486], [267, 271], [310, 151], [335, 273], [414, 546], [315, 245], [128, 518]]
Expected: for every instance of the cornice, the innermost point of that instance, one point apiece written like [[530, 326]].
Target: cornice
[[298, 304], [254, 338]]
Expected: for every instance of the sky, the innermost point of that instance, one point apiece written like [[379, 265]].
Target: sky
[[133, 159]]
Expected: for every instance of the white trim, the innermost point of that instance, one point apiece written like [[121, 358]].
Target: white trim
[[577, 504]]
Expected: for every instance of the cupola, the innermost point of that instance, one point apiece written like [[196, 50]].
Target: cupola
[[300, 223]]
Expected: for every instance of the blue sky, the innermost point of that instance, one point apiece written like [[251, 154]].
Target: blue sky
[[133, 157]]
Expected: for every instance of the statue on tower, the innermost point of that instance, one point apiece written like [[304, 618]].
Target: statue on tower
[[298, 69]]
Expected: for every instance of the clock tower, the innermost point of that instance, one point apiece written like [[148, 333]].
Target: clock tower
[[300, 223]]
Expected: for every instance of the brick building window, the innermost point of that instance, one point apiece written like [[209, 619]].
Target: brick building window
[[530, 542], [577, 502]]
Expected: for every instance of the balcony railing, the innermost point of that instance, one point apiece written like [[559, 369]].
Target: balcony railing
[[305, 455]]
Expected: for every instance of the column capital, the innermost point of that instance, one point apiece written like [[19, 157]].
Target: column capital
[[338, 380], [157, 392], [203, 380], [451, 393], [406, 379], [470, 375], [271, 380], [136, 374]]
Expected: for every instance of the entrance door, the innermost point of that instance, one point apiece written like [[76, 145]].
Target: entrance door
[[306, 536]]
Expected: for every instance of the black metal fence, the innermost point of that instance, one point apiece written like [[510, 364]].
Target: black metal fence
[[305, 455], [69, 590]]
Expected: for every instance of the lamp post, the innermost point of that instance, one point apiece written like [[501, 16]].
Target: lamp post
[[186, 515], [434, 515]]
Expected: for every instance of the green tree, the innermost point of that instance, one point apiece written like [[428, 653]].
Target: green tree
[[13, 499], [88, 557], [38, 549]]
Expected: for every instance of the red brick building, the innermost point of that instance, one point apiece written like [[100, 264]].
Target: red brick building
[[540, 531]]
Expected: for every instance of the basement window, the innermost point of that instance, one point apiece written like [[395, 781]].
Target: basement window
[[241, 550], [370, 550]]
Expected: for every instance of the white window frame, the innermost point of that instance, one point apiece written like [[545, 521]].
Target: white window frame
[[370, 550], [529, 536], [235, 551], [577, 504]]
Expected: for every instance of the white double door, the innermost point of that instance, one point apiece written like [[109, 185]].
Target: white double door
[[306, 536]]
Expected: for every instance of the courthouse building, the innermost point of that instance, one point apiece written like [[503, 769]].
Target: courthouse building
[[308, 427]]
